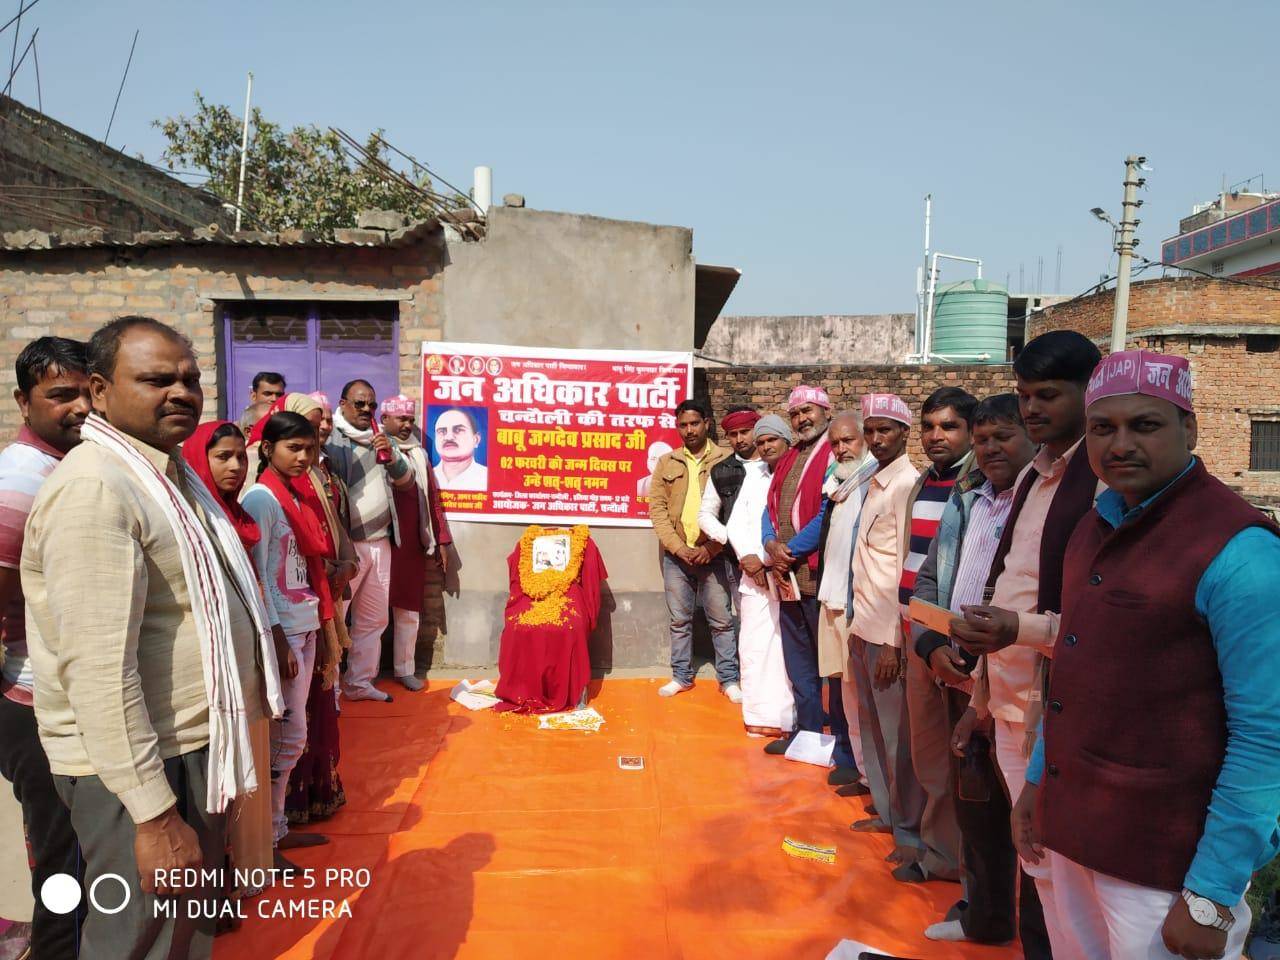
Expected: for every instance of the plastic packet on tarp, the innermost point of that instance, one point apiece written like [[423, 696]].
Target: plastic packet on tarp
[[588, 719], [808, 851], [474, 696], [857, 950], [810, 747]]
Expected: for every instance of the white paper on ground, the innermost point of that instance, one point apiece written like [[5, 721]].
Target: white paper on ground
[[810, 747], [588, 718], [474, 696], [853, 950]]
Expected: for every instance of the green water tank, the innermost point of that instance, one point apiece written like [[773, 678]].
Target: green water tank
[[970, 319]]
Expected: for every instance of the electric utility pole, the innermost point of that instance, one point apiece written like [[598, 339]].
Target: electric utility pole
[[1125, 242]]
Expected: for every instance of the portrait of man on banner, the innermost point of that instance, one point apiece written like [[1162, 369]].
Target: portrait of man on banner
[[458, 436]]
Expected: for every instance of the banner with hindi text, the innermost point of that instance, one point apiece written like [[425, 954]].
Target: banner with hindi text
[[542, 435]]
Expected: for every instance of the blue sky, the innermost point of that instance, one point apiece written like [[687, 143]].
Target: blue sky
[[796, 139]]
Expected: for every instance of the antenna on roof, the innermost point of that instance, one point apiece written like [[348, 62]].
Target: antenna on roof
[[121, 90]]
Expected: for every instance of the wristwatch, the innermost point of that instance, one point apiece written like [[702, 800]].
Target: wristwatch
[[1205, 912]]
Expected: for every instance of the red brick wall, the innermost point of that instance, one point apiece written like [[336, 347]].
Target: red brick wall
[[73, 292], [767, 388], [1165, 303], [1231, 387]]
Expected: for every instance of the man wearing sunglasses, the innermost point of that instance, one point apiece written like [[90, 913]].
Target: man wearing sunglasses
[[370, 465]]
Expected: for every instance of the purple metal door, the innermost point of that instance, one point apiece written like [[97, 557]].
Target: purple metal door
[[314, 346]]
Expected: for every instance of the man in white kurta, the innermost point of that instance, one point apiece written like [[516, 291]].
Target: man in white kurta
[[767, 704]]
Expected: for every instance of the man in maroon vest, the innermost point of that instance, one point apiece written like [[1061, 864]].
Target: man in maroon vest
[[1159, 768]]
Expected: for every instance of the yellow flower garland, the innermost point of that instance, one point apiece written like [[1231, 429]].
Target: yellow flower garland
[[547, 588]]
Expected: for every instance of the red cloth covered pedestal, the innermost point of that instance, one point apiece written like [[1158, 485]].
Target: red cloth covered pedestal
[[544, 668]]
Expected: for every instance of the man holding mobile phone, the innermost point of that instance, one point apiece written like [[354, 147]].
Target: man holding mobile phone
[[954, 575], [1016, 630]]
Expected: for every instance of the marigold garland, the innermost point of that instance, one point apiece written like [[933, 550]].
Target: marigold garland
[[547, 588]]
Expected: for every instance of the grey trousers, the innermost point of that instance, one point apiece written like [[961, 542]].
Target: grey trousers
[[931, 760], [144, 929], [886, 747]]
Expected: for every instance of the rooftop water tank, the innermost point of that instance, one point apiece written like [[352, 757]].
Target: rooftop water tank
[[970, 321]]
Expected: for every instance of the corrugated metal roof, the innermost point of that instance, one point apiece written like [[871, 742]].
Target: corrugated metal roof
[[32, 241]]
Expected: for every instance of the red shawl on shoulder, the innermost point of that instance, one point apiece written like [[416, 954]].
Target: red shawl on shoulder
[[808, 499]]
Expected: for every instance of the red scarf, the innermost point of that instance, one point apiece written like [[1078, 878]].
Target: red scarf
[[196, 452], [809, 493], [302, 508]]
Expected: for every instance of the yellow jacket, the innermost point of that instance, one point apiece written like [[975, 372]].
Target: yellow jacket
[[668, 488]]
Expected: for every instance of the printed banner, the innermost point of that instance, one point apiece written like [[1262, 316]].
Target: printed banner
[[530, 434]]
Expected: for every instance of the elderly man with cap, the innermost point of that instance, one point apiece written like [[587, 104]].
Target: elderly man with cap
[[768, 708], [875, 647], [830, 535], [795, 499], [1159, 768], [424, 533]]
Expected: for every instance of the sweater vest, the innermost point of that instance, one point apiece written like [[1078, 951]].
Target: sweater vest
[[1135, 726]]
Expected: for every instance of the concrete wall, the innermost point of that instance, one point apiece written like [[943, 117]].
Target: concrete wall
[[868, 338], [560, 280]]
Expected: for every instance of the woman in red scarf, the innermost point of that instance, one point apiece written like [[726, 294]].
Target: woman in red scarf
[[291, 557], [315, 787], [216, 452]]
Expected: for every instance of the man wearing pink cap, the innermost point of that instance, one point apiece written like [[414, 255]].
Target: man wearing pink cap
[[1159, 768], [424, 534], [794, 500], [876, 643]]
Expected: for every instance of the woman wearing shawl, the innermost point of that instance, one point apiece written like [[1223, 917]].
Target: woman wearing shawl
[[291, 554], [315, 788], [216, 452]]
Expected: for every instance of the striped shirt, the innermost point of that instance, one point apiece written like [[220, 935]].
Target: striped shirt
[[24, 464], [926, 514], [987, 517]]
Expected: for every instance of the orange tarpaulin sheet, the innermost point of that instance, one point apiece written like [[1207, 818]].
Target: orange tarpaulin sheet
[[485, 837]]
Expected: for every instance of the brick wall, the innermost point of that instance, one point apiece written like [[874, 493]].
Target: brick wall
[[58, 179], [1232, 386], [767, 388], [73, 292], [1166, 303]]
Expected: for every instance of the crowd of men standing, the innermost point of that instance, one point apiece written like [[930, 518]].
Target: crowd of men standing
[[1048, 662], [174, 599], [1049, 657]]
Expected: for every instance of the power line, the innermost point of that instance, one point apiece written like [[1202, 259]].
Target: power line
[[14, 19], [1236, 281], [35, 58], [13, 70], [121, 90], [14, 52]]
